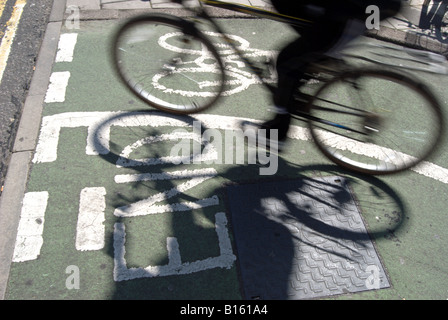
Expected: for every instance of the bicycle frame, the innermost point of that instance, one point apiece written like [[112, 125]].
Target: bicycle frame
[[432, 62], [365, 118], [299, 114], [253, 11]]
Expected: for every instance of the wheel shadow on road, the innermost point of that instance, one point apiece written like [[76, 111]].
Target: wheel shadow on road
[[381, 208]]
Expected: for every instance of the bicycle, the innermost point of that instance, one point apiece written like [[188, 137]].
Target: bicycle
[[435, 18], [366, 119]]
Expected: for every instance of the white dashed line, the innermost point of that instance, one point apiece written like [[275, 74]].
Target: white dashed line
[[90, 229], [29, 234], [66, 47], [57, 87]]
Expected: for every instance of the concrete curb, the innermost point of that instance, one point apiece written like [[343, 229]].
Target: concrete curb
[[410, 39], [25, 143], [112, 14]]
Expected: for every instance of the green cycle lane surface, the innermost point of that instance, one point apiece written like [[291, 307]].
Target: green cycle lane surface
[[182, 238]]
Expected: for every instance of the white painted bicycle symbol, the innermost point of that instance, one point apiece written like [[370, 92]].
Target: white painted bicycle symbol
[[238, 79]]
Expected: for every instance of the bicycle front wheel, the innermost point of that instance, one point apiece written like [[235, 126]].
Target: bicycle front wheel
[[375, 121], [168, 63]]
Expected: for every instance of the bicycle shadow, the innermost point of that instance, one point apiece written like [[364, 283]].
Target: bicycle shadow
[[432, 16], [373, 195], [429, 15], [285, 237]]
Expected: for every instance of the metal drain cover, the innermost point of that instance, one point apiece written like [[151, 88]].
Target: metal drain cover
[[302, 239]]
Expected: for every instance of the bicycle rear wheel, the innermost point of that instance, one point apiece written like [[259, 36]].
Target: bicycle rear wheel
[[168, 63], [375, 121]]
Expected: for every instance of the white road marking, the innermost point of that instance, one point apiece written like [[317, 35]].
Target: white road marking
[[125, 161], [240, 79], [100, 123], [175, 265], [173, 175], [90, 230], [148, 206], [57, 87], [29, 234], [66, 47], [2, 6], [10, 33]]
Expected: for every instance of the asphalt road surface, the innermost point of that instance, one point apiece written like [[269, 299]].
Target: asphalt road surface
[[22, 27]]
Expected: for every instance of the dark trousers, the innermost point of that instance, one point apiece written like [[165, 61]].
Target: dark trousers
[[296, 56]]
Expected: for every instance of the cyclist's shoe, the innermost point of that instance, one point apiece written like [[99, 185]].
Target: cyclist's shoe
[[270, 134], [281, 122]]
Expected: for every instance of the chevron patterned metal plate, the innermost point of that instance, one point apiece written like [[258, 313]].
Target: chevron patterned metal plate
[[302, 239]]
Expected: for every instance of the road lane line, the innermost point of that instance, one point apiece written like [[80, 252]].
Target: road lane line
[[10, 33], [57, 87], [29, 238], [2, 6], [90, 230], [66, 47]]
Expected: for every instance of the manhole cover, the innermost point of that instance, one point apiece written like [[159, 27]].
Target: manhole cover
[[302, 239]]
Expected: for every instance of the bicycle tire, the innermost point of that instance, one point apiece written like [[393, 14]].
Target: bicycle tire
[[400, 123], [147, 57]]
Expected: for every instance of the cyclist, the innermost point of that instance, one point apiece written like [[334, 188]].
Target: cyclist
[[332, 24]]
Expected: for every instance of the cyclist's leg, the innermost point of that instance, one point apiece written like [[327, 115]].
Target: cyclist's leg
[[292, 62]]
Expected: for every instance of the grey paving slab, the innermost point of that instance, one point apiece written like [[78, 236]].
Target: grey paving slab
[[85, 4], [137, 4]]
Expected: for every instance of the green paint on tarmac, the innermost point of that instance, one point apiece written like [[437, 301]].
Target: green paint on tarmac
[[405, 214]]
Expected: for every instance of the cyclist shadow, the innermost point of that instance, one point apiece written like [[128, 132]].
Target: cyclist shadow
[[277, 242], [285, 238], [155, 195], [433, 16]]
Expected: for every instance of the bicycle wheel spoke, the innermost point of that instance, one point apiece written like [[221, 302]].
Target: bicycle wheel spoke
[[166, 68], [398, 123]]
